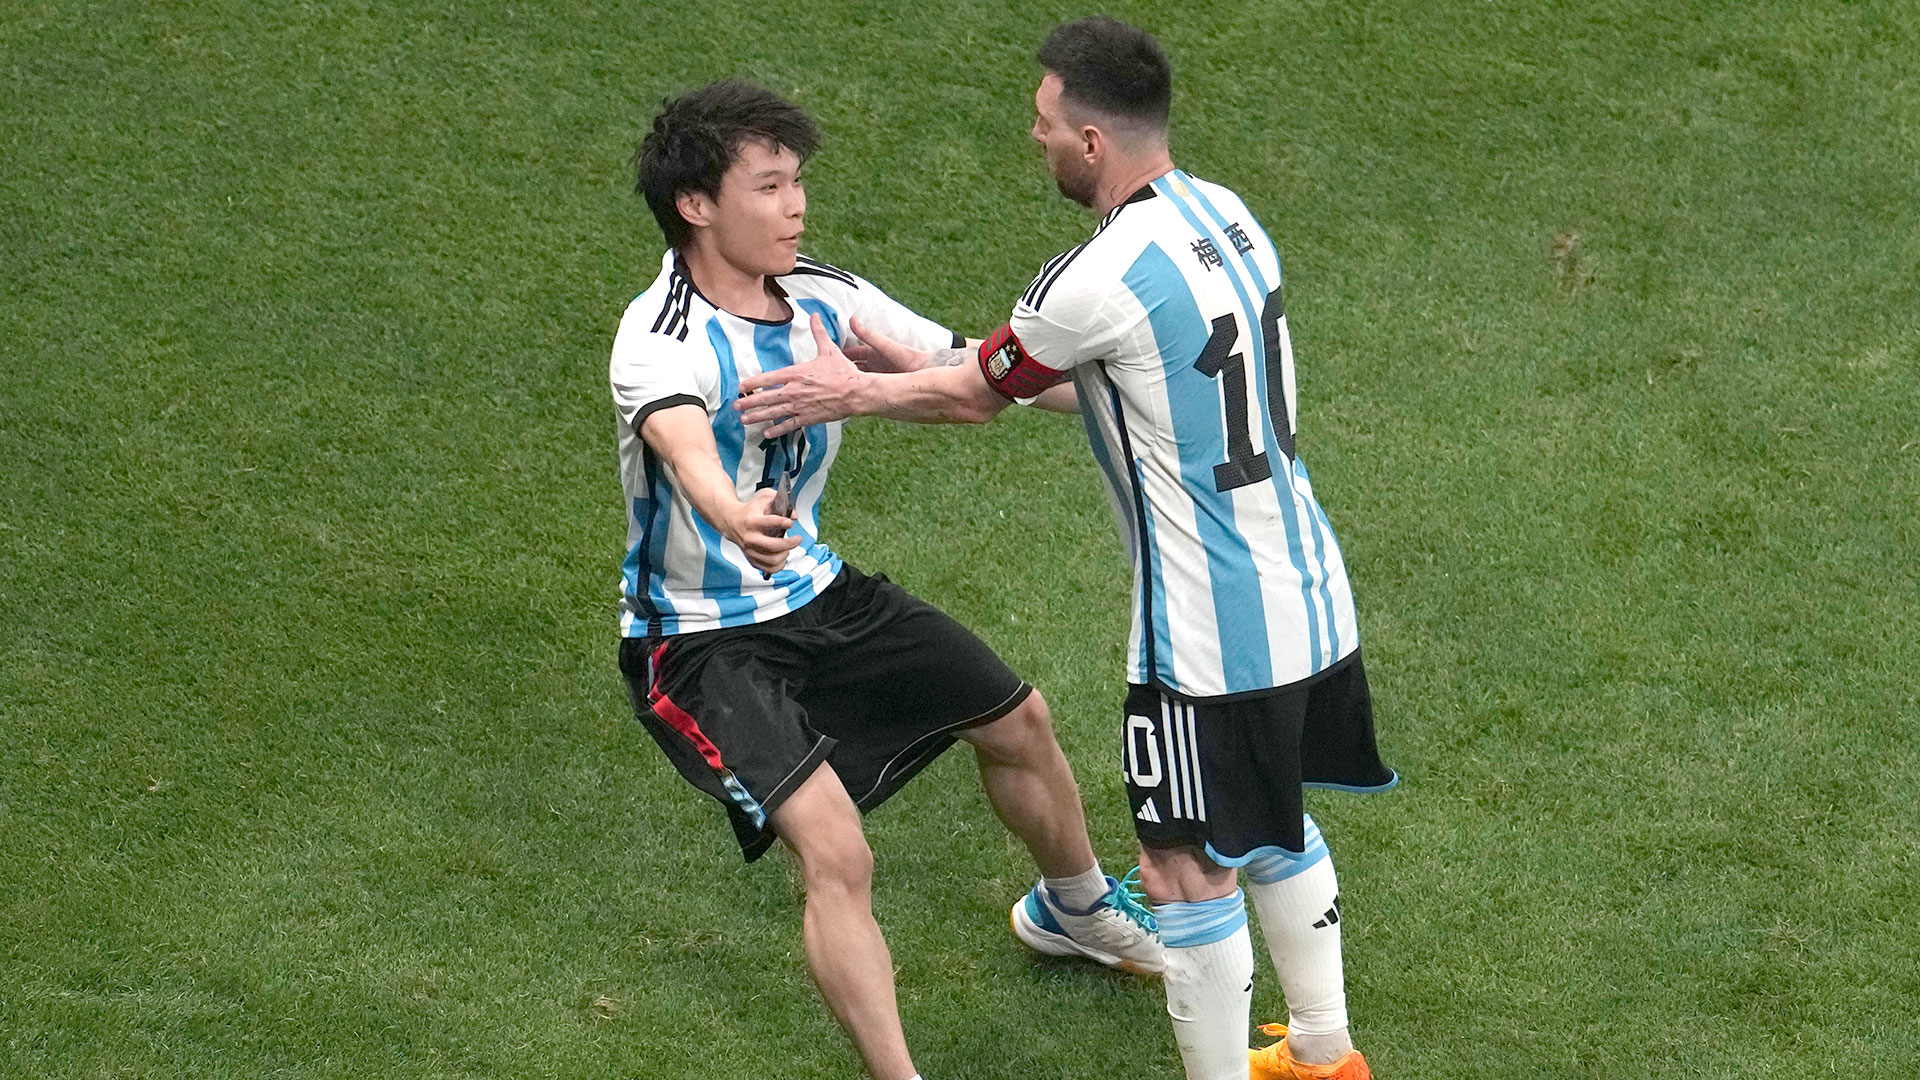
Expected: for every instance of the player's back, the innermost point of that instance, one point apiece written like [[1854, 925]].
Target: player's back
[[1190, 409]]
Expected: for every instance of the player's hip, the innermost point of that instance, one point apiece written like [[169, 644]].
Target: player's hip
[[1226, 774], [1228, 643]]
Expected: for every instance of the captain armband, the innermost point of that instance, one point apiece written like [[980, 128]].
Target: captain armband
[[1010, 370]]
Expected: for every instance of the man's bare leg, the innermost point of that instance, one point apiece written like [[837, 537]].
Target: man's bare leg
[[1031, 787], [1075, 911], [1209, 957], [845, 950]]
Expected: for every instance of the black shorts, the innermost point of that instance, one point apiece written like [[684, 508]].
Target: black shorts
[[866, 676], [1226, 776]]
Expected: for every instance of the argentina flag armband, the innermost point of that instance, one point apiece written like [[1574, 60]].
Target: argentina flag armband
[[1010, 371]]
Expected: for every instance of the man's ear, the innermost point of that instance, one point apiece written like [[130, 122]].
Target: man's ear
[[1093, 143], [696, 208]]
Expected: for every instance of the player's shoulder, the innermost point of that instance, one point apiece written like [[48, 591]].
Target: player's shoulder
[[1232, 210], [1088, 272], [820, 280], [665, 308], [1220, 195], [656, 326], [636, 348]]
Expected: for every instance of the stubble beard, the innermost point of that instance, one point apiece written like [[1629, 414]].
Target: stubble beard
[[1078, 187]]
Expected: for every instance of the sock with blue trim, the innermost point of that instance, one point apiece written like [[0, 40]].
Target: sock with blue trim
[[1297, 898], [1077, 895], [1209, 980]]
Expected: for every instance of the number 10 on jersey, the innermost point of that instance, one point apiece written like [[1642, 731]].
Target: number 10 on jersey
[[1219, 361]]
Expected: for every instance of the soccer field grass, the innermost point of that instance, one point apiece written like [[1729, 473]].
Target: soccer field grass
[[314, 760]]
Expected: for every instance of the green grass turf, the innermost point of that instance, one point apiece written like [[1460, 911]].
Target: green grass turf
[[313, 756]]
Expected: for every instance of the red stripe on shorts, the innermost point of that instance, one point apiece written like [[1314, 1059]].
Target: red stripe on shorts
[[681, 720]]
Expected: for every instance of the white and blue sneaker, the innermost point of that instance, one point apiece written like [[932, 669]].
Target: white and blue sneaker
[[1119, 932]]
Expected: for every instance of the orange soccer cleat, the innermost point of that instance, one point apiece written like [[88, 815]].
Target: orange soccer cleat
[[1275, 1063]]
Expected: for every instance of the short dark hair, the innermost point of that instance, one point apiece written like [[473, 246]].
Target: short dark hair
[[697, 136], [1111, 67]]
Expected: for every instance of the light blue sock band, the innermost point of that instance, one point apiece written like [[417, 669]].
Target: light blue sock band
[[1274, 864], [1184, 925]]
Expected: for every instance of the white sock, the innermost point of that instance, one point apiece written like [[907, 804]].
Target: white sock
[[1078, 894], [1209, 982], [1300, 916]]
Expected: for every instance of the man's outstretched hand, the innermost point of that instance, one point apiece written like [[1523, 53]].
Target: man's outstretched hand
[[874, 351], [824, 388], [828, 387]]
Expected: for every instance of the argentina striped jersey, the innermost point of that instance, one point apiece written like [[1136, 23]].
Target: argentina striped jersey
[[680, 575], [1171, 321]]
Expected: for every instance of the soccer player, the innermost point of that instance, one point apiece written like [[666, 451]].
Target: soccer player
[[783, 682], [1243, 661]]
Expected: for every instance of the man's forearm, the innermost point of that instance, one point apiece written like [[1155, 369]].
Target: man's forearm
[[707, 487], [681, 437], [684, 441], [949, 390]]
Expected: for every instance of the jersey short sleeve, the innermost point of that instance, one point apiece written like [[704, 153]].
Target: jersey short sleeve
[[652, 371], [1056, 326], [839, 297], [882, 313], [1065, 334]]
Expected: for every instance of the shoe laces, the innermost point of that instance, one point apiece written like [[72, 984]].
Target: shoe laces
[[1128, 899]]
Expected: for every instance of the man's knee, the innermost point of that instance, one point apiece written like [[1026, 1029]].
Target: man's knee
[[1019, 736], [1183, 874], [821, 825], [839, 861]]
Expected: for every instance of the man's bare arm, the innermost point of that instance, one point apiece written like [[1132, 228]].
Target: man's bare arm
[[1061, 399], [1057, 399], [683, 437], [953, 392], [931, 387]]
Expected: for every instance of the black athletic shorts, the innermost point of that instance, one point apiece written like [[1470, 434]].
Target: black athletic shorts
[[1226, 776], [866, 676]]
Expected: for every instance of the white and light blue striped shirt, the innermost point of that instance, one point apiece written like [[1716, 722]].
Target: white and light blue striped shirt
[[1172, 324], [680, 575]]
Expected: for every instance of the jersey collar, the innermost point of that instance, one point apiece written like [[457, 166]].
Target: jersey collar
[[1142, 195], [678, 267]]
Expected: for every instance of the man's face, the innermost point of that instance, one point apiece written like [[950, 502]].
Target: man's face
[[1065, 143], [755, 224]]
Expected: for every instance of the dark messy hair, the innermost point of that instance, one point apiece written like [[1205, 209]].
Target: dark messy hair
[[1115, 69], [697, 136]]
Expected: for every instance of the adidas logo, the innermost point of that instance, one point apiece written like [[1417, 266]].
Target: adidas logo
[[1331, 918], [1148, 812]]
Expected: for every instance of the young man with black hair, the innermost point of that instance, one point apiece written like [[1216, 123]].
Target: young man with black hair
[[786, 684], [1244, 663]]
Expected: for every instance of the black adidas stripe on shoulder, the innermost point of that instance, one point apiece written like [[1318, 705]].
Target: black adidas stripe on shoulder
[[680, 318], [1036, 293], [672, 320], [675, 284], [804, 265], [1027, 297], [677, 324]]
